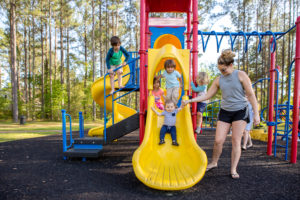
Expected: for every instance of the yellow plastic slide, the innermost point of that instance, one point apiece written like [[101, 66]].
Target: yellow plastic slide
[[120, 111], [168, 167]]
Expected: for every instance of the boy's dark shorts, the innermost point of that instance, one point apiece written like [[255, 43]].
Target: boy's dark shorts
[[231, 116], [201, 107]]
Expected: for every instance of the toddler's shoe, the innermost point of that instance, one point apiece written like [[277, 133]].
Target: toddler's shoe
[[161, 142], [175, 143], [198, 130]]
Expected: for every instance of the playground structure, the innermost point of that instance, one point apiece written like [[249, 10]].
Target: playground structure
[[166, 167], [282, 114], [281, 110]]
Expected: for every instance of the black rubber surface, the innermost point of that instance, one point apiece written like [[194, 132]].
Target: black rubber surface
[[35, 169]]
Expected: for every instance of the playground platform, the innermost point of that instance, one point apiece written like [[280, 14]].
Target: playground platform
[[34, 169]]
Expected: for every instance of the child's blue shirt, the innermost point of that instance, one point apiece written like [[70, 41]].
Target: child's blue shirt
[[199, 88], [170, 117], [172, 79], [111, 52]]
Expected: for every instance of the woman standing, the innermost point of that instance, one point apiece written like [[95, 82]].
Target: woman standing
[[235, 85]]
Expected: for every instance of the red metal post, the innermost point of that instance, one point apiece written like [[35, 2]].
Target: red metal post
[[296, 95], [142, 53], [188, 43], [195, 58], [271, 101], [188, 34], [147, 35]]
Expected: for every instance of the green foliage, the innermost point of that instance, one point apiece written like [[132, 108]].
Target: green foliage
[[5, 103]]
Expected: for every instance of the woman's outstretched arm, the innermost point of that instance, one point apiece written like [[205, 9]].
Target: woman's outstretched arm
[[210, 93]]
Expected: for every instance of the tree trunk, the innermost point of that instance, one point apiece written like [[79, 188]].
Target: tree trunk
[[244, 29], [0, 78], [55, 53], [107, 27], [50, 61], [282, 59], [85, 61], [26, 69], [61, 47], [29, 76], [13, 60], [100, 49], [42, 75], [256, 53], [68, 71], [239, 26], [93, 54], [33, 70]]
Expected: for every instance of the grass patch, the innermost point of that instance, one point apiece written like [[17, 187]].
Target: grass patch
[[14, 131], [5, 126], [6, 137]]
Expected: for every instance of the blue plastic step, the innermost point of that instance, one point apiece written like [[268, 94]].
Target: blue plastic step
[[84, 153]]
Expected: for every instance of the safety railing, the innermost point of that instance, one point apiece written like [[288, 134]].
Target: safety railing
[[67, 145], [211, 114], [134, 76], [282, 115]]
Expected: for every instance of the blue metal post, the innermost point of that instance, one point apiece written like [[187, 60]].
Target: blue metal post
[[64, 134], [81, 125], [70, 122], [287, 118]]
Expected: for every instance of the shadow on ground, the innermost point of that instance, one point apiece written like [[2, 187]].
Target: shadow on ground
[[34, 169]]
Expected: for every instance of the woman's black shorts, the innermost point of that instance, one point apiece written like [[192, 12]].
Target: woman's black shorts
[[231, 116]]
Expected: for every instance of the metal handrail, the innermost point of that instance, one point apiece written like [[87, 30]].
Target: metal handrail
[[133, 73]]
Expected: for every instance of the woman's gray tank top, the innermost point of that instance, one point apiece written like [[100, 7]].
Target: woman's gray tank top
[[233, 93]]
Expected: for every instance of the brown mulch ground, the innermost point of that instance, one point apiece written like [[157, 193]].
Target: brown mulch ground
[[35, 169]]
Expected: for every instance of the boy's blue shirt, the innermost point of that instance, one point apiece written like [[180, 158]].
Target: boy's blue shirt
[[111, 52], [172, 79], [200, 88]]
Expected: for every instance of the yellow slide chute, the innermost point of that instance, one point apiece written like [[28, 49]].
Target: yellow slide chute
[[168, 167], [120, 111]]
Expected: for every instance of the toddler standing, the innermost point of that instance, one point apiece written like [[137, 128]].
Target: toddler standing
[[202, 81], [172, 82]]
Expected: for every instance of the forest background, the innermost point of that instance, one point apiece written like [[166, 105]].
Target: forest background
[[51, 51]]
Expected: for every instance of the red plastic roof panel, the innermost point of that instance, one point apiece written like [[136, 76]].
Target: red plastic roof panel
[[168, 5]]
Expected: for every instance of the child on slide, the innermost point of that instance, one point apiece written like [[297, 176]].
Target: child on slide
[[172, 82], [158, 93], [170, 113]]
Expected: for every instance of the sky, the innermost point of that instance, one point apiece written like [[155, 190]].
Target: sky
[[210, 55]]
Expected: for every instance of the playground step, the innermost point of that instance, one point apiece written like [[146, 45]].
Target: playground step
[[89, 140], [122, 128], [129, 88], [85, 153]]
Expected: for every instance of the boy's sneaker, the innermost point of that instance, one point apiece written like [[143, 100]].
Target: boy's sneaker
[[161, 142], [198, 130], [175, 143]]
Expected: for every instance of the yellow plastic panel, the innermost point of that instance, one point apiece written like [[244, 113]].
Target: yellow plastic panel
[[156, 56], [168, 167], [120, 111], [167, 39]]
